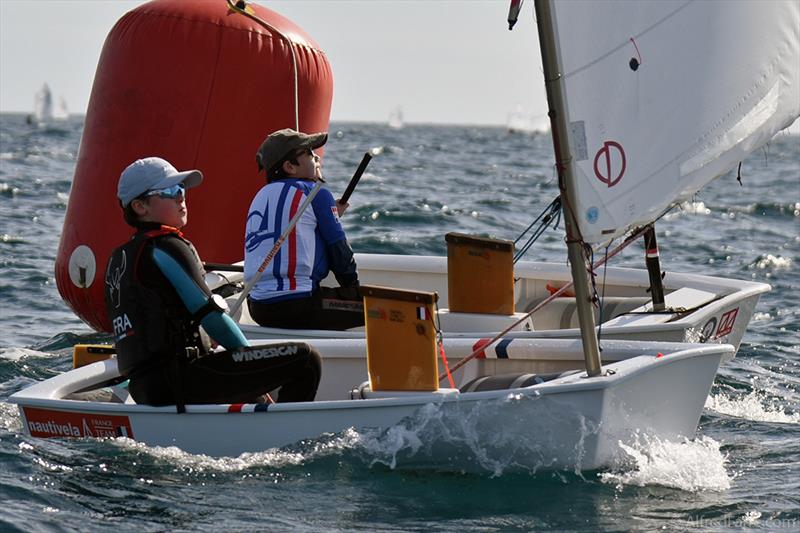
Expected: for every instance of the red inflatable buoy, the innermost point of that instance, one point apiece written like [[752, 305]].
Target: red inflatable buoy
[[199, 84]]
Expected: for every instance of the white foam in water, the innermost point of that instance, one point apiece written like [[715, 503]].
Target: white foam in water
[[15, 354], [754, 406], [199, 462], [429, 434], [9, 417], [691, 465], [698, 208], [274, 458], [773, 262], [462, 438]]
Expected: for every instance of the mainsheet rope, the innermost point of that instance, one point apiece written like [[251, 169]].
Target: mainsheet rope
[[440, 342]]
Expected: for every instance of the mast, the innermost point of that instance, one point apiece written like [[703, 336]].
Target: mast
[[654, 268], [556, 103]]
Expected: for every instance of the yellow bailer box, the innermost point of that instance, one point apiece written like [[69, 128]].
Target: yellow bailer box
[[401, 339], [480, 275]]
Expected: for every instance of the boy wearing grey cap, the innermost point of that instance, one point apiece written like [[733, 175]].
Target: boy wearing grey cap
[[157, 299], [289, 294]]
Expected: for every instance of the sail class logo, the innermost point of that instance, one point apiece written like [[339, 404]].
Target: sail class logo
[[609, 163]]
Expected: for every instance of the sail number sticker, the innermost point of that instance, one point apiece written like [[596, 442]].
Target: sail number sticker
[[49, 423], [610, 163], [726, 322], [723, 326]]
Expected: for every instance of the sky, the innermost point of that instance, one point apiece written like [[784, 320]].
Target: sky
[[439, 61]]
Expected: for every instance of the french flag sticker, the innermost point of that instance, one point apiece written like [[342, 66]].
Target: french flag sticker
[[422, 313]]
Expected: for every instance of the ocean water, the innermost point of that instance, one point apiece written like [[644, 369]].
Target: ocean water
[[741, 472]]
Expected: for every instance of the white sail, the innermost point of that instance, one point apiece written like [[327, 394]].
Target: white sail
[[61, 112], [396, 118], [663, 97], [43, 104], [521, 121]]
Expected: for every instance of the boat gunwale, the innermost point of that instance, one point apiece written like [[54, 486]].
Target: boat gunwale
[[620, 371], [256, 332]]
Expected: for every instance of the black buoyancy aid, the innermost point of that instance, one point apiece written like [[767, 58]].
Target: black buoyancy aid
[[148, 319]]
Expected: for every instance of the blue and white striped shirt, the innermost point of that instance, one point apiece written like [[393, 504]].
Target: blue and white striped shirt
[[301, 262]]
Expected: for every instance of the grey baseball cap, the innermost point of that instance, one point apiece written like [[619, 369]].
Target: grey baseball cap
[[281, 143], [152, 173]]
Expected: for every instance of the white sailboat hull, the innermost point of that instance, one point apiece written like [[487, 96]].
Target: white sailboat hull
[[718, 309], [568, 422]]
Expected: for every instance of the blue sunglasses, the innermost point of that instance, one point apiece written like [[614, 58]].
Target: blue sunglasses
[[168, 193]]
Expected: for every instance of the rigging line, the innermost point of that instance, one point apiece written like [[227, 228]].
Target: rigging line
[[552, 212], [621, 246], [595, 298], [546, 209], [640, 229], [524, 249], [539, 232], [526, 230], [602, 301], [440, 345], [637, 50], [242, 11]]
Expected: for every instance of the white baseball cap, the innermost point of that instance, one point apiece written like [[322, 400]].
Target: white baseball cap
[[150, 174]]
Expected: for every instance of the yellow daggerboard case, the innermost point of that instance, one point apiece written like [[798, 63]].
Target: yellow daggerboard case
[[480, 275], [401, 339]]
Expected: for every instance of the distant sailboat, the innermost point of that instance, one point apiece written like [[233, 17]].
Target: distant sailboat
[[520, 121], [43, 110], [396, 118], [61, 112], [43, 104]]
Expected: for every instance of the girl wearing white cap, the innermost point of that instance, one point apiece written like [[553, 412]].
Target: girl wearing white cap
[[157, 299]]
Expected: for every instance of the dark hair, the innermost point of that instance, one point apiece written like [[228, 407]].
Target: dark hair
[[128, 213], [276, 172]]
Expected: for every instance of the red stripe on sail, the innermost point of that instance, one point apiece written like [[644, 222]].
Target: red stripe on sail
[[293, 242]]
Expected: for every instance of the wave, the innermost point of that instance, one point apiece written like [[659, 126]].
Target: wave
[[275, 458], [753, 406], [17, 354], [690, 465], [771, 262], [66, 340]]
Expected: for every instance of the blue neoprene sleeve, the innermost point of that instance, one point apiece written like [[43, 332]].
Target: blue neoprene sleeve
[[219, 325]]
